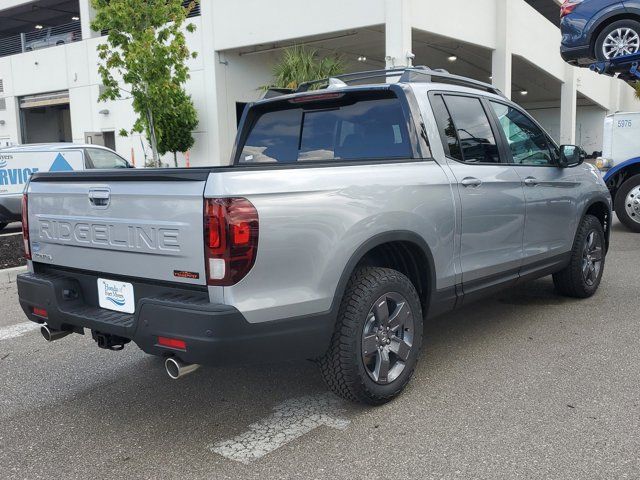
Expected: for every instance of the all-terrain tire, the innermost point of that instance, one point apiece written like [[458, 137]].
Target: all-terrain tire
[[571, 281], [343, 367]]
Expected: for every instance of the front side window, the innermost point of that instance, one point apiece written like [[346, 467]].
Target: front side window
[[477, 142], [527, 142], [373, 128], [105, 159]]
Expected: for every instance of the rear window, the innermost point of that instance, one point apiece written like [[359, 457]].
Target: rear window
[[345, 129]]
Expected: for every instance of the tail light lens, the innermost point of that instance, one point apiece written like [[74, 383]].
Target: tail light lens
[[231, 239], [568, 6], [25, 227]]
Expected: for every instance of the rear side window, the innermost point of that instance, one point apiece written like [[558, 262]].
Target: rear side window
[[476, 139], [446, 127], [368, 128]]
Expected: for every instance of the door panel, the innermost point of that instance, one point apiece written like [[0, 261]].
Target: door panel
[[550, 223], [550, 192], [490, 192], [492, 221]]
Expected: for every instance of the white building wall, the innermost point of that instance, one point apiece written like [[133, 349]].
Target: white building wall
[[242, 23], [589, 122], [225, 73]]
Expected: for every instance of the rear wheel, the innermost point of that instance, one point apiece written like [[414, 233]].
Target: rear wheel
[[627, 203], [581, 278], [377, 339], [618, 39]]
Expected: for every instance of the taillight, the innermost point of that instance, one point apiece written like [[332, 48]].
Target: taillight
[[25, 226], [568, 6], [231, 239]]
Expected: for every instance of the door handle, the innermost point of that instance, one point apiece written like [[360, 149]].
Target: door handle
[[471, 182], [531, 181]]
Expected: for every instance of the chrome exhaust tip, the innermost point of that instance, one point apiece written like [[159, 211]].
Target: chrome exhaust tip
[[177, 368], [50, 334]]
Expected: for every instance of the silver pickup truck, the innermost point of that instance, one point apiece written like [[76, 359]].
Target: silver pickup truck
[[349, 214]]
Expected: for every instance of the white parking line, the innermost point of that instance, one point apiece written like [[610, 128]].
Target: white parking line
[[13, 331], [290, 420]]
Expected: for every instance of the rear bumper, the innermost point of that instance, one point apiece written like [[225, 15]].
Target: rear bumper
[[214, 334]]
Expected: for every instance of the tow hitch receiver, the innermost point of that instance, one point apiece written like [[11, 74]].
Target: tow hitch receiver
[[108, 341]]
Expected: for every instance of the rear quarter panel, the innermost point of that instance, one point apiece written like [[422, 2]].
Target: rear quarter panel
[[312, 220]]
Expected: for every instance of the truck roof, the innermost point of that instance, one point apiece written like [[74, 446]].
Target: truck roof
[[435, 78]]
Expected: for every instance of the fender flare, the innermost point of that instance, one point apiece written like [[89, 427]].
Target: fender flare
[[603, 17], [375, 241], [608, 203], [621, 166]]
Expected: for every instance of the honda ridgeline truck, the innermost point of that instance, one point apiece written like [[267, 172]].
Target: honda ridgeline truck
[[348, 215]]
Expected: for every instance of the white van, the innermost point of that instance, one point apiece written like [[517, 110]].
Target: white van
[[19, 162], [620, 165]]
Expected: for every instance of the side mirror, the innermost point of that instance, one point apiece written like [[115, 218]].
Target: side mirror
[[571, 156]]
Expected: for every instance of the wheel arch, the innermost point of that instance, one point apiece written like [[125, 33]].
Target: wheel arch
[[401, 250], [620, 173], [601, 209], [608, 20]]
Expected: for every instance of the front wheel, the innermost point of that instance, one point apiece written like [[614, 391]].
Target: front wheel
[[377, 338], [627, 203], [618, 39], [581, 278]]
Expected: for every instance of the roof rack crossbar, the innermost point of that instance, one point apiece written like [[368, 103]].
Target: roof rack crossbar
[[427, 75], [355, 76], [408, 75]]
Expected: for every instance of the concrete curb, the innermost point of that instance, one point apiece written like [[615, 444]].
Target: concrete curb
[[8, 275]]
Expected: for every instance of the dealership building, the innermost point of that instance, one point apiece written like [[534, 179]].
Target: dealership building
[[49, 82]]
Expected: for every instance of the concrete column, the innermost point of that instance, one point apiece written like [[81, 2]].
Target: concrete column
[[86, 17], [398, 34], [501, 59], [213, 117], [568, 106]]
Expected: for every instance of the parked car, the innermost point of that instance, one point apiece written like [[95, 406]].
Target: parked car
[[48, 38], [599, 30], [348, 214], [620, 165], [19, 162]]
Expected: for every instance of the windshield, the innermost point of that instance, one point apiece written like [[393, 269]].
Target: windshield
[[104, 159]]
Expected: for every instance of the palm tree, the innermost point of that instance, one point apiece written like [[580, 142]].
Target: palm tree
[[299, 64]]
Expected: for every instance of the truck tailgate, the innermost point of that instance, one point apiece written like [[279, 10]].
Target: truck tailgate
[[145, 224]]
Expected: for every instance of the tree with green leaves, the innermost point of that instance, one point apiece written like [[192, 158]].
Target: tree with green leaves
[[174, 127], [299, 64], [146, 50]]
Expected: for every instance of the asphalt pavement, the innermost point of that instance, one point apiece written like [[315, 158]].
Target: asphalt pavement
[[526, 384]]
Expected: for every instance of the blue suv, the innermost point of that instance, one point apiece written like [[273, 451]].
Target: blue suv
[[599, 30]]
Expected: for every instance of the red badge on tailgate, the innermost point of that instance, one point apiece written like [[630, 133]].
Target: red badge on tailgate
[[184, 274]]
